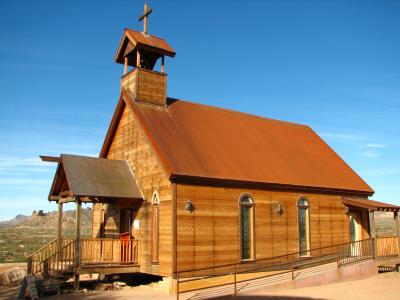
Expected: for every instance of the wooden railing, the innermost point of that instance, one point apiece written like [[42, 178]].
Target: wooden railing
[[387, 247], [95, 251], [43, 253], [60, 262], [43, 261], [46, 261]]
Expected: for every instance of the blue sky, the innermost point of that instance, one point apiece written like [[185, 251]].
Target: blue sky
[[333, 65]]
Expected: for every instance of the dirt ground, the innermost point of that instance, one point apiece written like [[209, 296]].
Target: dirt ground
[[384, 286]]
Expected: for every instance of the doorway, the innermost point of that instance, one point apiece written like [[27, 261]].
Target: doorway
[[355, 232], [125, 221]]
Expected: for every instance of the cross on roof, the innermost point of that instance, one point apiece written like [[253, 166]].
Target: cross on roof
[[146, 13]]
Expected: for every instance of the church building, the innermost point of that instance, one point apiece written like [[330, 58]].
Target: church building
[[182, 185]]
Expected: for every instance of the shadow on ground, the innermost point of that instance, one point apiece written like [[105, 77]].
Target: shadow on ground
[[249, 297]]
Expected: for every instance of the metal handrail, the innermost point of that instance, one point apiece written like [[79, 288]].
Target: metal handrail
[[342, 254]]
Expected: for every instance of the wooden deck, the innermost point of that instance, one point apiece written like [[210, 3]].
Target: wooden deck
[[106, 256]]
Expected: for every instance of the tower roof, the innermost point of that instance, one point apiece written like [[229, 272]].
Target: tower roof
[[133, 40]]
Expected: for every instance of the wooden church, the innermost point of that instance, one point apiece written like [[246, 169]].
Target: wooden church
[[181, 185]]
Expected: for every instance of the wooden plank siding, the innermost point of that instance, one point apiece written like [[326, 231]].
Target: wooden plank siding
[[130, 143], [210, 234]]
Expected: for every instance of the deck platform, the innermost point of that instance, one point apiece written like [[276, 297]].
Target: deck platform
[[108, 268]]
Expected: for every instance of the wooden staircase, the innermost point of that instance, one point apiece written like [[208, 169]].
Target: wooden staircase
[[47, 262]]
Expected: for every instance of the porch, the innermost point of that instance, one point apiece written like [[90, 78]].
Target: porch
[[79, 180], [97, 255]]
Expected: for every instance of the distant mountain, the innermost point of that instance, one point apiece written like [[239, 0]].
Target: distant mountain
[[15, 221], [22, 235], [50, 220]]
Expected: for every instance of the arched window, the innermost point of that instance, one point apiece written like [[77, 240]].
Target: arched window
[[155, 201], [246, 227], [303, 219]]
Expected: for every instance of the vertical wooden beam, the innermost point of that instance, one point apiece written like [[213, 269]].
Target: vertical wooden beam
[[59, 226], [174, 231], [125, 65], [138, 58], [77, 243], [163, 64], [397, 220], [372, 230]]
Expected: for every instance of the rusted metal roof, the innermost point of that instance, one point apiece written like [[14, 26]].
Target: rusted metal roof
[[94, 177], [133, 39], [200, 141], [371, 204]]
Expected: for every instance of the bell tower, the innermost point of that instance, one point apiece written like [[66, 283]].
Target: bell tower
[[139, 52]]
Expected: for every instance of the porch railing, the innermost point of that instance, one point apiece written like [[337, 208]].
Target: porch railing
[[108, 251], [387, 247], [53, 263], [46, 261]]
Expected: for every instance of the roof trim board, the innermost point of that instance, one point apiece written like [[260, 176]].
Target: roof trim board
[[371, 204]]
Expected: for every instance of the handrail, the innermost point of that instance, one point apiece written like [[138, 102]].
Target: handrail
[[267, 258], [343, 254], [109, 251], [59, 261], [43, 247]]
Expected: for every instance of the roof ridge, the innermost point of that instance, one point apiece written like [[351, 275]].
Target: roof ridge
[[232, 111]]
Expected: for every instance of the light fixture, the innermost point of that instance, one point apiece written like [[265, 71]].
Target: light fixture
[[277, 208], [189, 206]]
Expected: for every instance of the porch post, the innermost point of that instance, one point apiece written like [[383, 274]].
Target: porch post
[[77, 243], [125, 65], [59, 226], [372, 230], [397, 220]]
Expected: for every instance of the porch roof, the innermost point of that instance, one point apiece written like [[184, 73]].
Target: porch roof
[[371, 204], [83, 176]]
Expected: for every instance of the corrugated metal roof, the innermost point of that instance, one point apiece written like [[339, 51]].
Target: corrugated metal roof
[[208, 142], [371, 204], [149, 40], [97, 177], [135, 39]]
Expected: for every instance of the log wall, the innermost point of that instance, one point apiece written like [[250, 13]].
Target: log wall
[[210, 234], [131, 144]]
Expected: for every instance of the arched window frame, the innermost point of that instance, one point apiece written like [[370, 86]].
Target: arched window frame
[[251, 226], [304, 204], [155, 224]]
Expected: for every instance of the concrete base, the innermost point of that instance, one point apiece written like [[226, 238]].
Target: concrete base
[[358, 271], [314, 276]]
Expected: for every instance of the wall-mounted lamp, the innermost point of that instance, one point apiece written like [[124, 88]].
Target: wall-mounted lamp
[[189, 206], [277, 208], [346, 210]]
